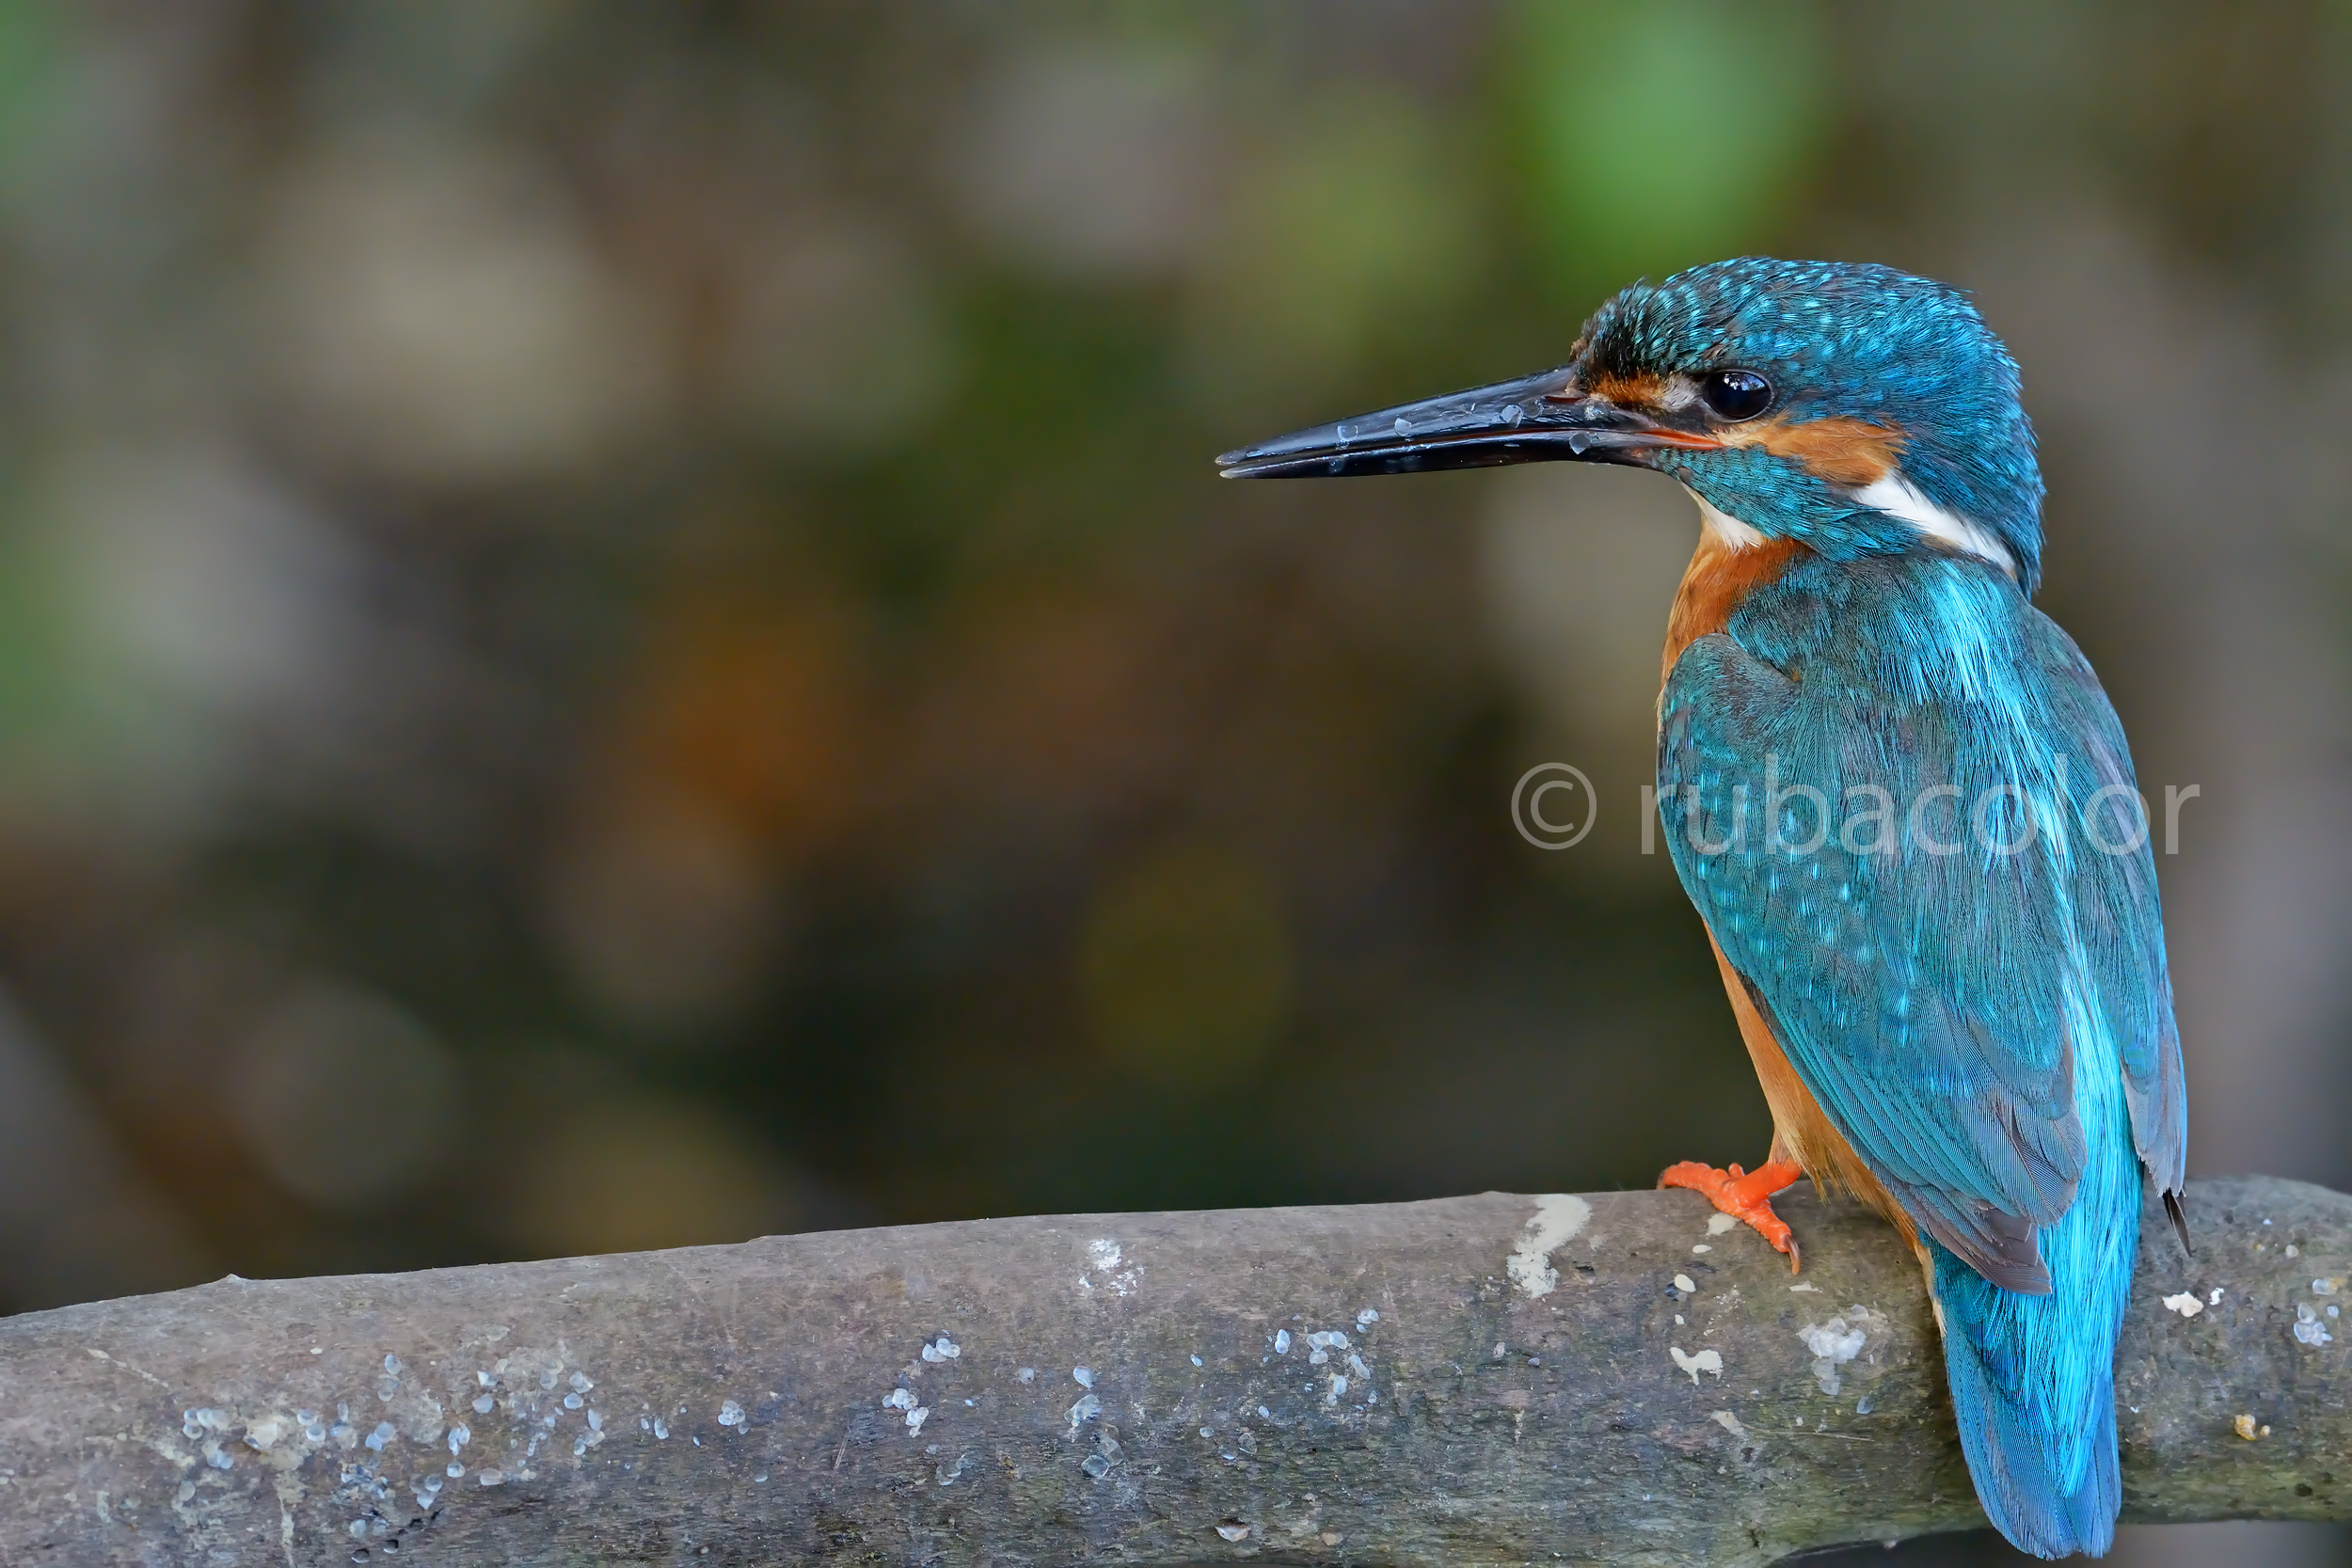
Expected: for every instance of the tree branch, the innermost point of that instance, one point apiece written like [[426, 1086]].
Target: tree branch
[[1610, 1377]]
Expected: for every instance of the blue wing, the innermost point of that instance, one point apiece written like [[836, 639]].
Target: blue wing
[[1931, 971]]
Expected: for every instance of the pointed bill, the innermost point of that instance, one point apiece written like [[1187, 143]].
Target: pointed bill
[[1538, 418]]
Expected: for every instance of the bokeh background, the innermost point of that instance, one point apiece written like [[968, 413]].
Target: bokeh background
[[615, 628]]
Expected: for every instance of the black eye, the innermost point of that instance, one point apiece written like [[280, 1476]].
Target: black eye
[[1736, 394]]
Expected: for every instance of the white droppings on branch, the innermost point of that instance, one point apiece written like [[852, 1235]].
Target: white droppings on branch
[[1704, 1361], [1838, 1341], [2308, 1327], [1557, 1220], [1103, 1257]]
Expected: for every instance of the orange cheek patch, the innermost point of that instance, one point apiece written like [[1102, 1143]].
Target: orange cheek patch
[[1627, 392], [1849, 453]]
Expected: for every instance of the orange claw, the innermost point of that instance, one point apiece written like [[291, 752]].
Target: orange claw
[[1745, 1196]]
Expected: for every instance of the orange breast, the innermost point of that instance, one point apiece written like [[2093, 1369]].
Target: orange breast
[[1802, 1131], [1718, 577]]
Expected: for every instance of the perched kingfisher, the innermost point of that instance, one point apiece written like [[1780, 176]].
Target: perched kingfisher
[[1902, 803]]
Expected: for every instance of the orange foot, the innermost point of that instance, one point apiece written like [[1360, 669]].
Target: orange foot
[[1743, 1195]]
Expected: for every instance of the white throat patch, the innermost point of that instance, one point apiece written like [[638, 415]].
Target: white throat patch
[[1726, 530], [1894, 496]]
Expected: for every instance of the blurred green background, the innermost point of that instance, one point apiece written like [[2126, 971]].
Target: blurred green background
[[616, 630]]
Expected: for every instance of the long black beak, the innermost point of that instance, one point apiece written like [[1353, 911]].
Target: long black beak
[[1538, 419]]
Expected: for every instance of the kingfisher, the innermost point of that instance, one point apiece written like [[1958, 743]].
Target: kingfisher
[[1902, 803]]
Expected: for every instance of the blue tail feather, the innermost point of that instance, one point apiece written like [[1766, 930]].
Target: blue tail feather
[[2050, 1498], [2033, 1377]]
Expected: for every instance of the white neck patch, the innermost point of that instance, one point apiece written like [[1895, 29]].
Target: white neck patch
[[1726, 530], [1894, 496]]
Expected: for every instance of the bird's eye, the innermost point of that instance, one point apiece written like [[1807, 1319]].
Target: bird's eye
[[1736, 394]]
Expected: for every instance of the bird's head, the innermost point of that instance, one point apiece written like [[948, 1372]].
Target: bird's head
[[1850, 407]]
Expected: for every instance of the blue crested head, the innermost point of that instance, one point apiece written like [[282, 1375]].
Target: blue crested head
[[1848, 405], [1851, 407]]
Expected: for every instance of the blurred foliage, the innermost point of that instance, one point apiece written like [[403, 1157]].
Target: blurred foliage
[[1659, 137], [1185, 967], [1356, 228]]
